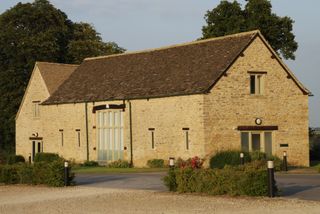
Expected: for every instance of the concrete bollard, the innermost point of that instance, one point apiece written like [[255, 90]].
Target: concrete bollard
[[271, 181], [285, 163], [241, 158], [171, 162], [66, 173]]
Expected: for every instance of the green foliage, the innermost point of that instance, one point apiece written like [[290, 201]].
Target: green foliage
[[48, 173], [9, 174], [228, 18], [232, 158], [33, 32], [12, 159], [170, 180], [46, 157], [90, 163], [250, 179], [119, 164], [155, 163], [314, 140]]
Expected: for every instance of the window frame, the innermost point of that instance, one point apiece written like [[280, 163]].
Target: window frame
[[36, 109], [258, 84]]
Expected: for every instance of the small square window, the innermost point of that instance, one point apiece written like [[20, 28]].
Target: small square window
[[35, 109], [256, 84]]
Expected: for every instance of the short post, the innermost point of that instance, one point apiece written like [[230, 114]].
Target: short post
[[241, 158], [271, 182], [66, 173], [171, 162], [285, 163]]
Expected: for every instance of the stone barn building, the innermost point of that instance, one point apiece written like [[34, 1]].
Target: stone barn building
[[230, 92]]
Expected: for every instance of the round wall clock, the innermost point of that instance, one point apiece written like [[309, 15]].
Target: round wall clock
[[258, 121]]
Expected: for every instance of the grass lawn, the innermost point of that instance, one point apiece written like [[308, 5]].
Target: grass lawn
[[105, 170]]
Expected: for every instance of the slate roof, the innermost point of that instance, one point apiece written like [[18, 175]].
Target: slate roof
[[54, 74], [191, 68]]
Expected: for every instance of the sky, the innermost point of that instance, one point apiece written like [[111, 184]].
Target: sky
[[144, 24]]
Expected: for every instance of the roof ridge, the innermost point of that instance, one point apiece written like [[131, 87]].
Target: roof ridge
[[55, 63], [254, 32]]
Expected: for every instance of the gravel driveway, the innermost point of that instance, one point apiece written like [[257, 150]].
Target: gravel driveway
[[29, 199]]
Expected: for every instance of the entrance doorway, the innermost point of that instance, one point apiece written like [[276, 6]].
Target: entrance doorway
[[256, 141], [37, 147], [110, 135]]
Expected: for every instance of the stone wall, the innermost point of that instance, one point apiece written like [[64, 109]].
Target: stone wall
[[282, 104], [26, 123], [212, 118]]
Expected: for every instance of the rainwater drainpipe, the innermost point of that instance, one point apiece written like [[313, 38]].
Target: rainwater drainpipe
[[87, 129], [130, 124]]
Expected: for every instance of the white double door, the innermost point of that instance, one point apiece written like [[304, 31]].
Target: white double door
[[110, 135]]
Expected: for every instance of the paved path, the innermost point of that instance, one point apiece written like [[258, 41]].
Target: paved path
[[292, 186], [299, 186], [143, 181]]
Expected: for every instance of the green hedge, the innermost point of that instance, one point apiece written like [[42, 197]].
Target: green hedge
[[90, 163], [46, 157], [155, 163], [119, 164], [48, 173], [12, 159], [250, 179], [232, 158]]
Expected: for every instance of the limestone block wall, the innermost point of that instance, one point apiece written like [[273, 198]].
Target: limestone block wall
[[26, 123], [167, 116], [283, 104]]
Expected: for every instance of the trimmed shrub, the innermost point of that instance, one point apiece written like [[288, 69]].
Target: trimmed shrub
[[156, 163], [48, 173], [9, 174], [232, 158], [46, 157], [90, 163], [25, 173], [170, 180], [195, 163], [250, 179], [119, 164], [12, 159]]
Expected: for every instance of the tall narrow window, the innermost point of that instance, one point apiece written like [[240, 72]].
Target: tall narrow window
[[245, 141], [61, 132], [152, 137], [268, 143], [186, 131], [78, 137], [35, 109], [256, 84]]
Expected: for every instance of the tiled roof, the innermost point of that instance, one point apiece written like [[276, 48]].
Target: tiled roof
[[54, 74], [190, 68]]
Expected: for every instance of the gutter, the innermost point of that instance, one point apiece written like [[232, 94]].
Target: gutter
[[130, 125], [87, 129]]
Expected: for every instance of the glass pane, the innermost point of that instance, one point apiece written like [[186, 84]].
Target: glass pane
[[268, 143], [109, 157], [121, 139], [100, 119], [258, 86], [245, 141], [252, 84], [116, 118], [105, 119], [110, 118], [121, 118], [255, 142]]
